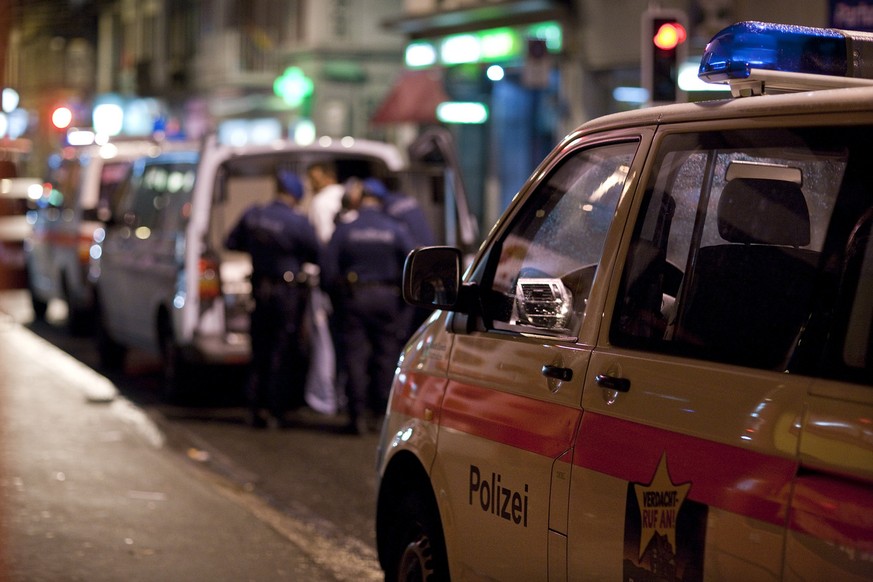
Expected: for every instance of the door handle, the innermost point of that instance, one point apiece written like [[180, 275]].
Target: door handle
[[612, 383], [558, 373]]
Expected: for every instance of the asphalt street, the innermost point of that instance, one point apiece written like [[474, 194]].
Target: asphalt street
[[91, 490]]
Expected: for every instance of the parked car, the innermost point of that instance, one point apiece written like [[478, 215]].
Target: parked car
[[17, 199], [80, 193], [164, 281], [660, 364]]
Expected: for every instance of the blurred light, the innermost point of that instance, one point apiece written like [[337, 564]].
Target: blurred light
[[62, 117], [637, 95], [495, 73], [18, 121], [34, 191], [347, 142], [669, 35], [293, 86], [233, 132], [420, 54], [108, 119], [108, 151], [462, 112], [304, 132], [140, 116], [96, 251], [325, 141], [689, 81], [264, 131], [10, 100], [80, 137], [143, 232], [484, 46], [498, 43], [461, 48]]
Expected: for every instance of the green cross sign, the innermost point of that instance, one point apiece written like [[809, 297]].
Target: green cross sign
[[293, 86]]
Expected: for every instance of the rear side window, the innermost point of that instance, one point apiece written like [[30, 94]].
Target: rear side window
[[751, 244], [550, 253], [159, 198]]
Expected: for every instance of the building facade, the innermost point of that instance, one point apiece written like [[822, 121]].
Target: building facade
[[256, 69]]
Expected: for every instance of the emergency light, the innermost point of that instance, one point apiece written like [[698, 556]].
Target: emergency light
[[758, 57]]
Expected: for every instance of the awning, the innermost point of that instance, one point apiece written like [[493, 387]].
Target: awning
[[413, 98]]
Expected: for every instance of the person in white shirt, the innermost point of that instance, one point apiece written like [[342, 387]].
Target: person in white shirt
[[327, 199]]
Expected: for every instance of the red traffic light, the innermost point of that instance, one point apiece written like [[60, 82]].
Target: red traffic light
[[669, 35]]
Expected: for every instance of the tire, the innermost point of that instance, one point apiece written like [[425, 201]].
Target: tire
[[110, 353], [178, 373], [40, 307], [418, 552], [80, 321]]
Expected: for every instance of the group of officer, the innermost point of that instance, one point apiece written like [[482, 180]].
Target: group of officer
[[359, 235]]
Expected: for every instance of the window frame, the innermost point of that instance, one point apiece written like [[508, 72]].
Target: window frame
[[485, 269]]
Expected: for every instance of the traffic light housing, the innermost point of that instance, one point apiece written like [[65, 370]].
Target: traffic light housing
[[664, 48]]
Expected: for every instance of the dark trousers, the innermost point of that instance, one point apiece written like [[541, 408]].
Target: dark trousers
[[279, 354], [372, 327]]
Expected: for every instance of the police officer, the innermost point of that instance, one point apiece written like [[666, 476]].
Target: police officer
[[280, 239], [363, 269], [407, 210]]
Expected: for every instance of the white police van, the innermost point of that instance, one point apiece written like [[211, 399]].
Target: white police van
[[79, 195], [164, 281], [660, 364]]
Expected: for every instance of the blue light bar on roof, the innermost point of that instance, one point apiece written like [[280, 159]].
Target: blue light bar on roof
[[741, 49]]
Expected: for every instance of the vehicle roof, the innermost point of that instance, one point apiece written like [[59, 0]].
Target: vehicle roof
[[846, 100], [388, 153]]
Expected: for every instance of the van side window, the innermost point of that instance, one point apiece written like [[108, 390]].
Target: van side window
[[550, 253], [159, 197], [724, 262]]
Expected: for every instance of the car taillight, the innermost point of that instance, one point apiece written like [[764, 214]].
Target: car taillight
[[83, 249], [210, 282]]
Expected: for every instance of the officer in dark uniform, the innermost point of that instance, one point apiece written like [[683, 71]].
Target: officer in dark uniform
[[362, 270], [407, 210], [280, 239]]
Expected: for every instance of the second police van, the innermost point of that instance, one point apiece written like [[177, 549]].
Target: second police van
[[660, 364]]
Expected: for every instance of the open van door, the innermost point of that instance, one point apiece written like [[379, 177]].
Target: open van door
[[435, 170]]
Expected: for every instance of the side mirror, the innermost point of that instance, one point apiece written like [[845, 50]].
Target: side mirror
[[432, 278]]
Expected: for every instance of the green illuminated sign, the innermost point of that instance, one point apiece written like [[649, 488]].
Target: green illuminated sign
[[484, 46], [293, 86]]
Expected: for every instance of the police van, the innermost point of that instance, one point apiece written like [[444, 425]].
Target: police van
[[164, 281], [80, 192], [660, 364]]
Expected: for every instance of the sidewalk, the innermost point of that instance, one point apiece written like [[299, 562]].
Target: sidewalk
[[89, 492]]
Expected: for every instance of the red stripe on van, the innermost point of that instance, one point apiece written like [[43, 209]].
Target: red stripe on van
[[536, 426], [731, 478], [834, 509], [418, 395]]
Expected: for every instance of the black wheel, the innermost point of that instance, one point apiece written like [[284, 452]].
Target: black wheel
[[177, 371], [418, 552], [80, 320], [40, 307], [110, 352]]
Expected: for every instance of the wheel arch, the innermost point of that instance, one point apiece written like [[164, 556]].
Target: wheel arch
[[403, 475]]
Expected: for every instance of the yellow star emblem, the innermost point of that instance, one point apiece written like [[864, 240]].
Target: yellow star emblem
[[659, 503]]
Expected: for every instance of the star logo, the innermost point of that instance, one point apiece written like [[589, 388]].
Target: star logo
[[659, 503]]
